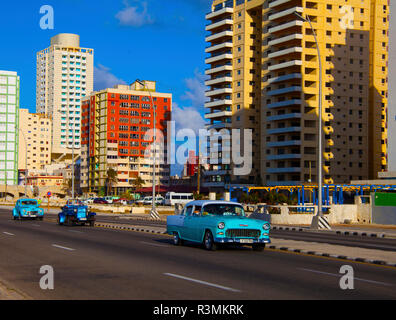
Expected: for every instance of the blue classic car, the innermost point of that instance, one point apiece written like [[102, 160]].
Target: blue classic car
[[218, 222], [75, 212], [27, 208]]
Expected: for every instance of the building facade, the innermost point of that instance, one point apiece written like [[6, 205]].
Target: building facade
[[264, 75], [64, 77], [34, 141], [9, 113], [114, 124]]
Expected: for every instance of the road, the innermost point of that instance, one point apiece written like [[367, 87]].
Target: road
[[97, 263], [385, 244]]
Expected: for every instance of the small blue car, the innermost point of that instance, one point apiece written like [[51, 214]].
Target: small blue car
[[218, 222], [27, 209], [75, 212]]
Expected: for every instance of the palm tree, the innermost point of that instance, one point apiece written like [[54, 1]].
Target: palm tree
[[137, 184], [111, 179]]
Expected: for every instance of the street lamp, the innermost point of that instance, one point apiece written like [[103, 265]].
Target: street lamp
[[320, 167], [153, 213], [26, 168]]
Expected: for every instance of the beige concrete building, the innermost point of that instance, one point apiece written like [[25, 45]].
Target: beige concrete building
[[64, 77], [35, 133], [264, 75]]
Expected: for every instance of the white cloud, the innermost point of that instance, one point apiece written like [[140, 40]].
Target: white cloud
[[134, 16], [196, 90], [187, 118], [103, 78]]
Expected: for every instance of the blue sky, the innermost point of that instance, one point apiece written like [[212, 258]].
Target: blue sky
[[152, 39]]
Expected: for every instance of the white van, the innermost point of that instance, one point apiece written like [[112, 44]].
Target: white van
[[172, 198]]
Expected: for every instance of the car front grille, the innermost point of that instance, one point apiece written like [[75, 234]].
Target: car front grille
[[243, 233]]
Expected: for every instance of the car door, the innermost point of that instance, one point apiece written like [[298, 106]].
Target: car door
[[188, 228]]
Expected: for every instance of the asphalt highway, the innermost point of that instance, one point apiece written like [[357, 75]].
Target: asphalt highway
[[385, 244], [96, 263]]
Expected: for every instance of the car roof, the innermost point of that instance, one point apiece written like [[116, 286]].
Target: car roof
[[205, 202], [27, 199]]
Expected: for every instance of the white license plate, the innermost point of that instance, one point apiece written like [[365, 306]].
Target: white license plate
[[83, 219], [32, 215], [246, 241]]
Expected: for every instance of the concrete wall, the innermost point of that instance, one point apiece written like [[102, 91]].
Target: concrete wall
[[382, 214]]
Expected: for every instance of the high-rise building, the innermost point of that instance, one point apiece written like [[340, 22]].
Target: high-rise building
[[64, 77], [34, 141], [9, 110], [114, 124], [264, 75]]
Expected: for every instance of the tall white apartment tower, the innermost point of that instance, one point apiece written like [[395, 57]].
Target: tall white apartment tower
[[64, 77]]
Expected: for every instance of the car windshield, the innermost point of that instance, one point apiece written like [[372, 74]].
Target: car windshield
[[29, 203], [223, 210]]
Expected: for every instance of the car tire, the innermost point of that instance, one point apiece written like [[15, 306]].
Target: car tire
[[258, 247], [177, 241], [92, 223], [209, 243]]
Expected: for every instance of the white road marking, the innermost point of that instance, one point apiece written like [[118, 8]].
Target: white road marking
[[154, 244], [9, 234], [74, 231], [202, 282], [35, 225], [64, 248], [339, 275]]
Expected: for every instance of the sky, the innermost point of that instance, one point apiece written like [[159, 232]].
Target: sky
[[155, 40]]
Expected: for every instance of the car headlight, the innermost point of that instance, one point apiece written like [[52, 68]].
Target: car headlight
[[75, 210], [24, 211], [266, 226], [221, 225]]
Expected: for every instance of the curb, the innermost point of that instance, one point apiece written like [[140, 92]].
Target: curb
[[344, 233], [328, 255], [128, 228]]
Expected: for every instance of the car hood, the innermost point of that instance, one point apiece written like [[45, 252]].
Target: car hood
[[29, 207], [235, 220]]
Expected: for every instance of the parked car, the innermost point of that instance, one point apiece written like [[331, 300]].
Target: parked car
[[27, 208], [100, 201], [75, 212], [159, 200], [121, 201], [218, 222]]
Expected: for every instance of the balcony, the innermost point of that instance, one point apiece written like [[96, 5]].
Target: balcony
[[284, 90], [220, 184], [216, 36], [284, 156], [285, 78], [285, 52], [218, 103], [275, 3], [287, 25], [215, 173], [218, 91], [284, 103], [220, 125], [218, 24], [283, 170], [225, 67], [223, 45], [295, 36], [284, 116], [283, 130], [284, 143], [219, 114], [285, 13], [218, 58], [218, 80], [283, 65], [217, 13]]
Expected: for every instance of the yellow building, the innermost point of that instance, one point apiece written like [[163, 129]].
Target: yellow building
[[264, 75], [36, 136]]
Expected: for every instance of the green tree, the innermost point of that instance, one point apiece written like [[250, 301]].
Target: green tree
[[137, 184], [111, 180]]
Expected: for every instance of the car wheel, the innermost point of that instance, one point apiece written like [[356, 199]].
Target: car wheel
[[258, 247], [209, 243], [92, 223], [177, 241]]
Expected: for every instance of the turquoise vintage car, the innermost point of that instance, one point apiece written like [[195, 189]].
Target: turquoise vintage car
[[218, 222], [27, 208]]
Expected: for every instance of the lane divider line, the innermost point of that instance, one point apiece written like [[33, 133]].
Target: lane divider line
[[339, 276], [154, 244], [9, 234], [64, 248], [202, 282]]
